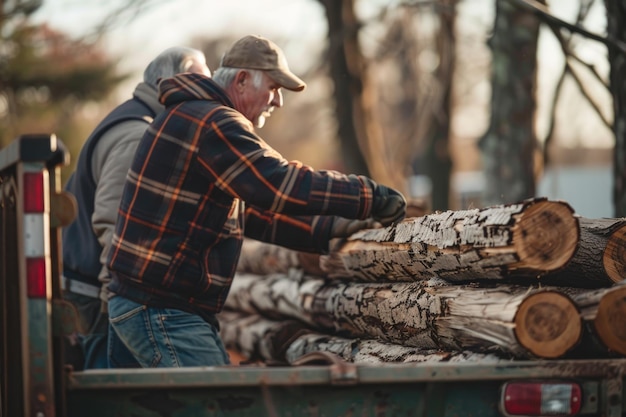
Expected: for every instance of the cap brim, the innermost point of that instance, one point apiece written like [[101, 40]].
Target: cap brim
[[287, 80]]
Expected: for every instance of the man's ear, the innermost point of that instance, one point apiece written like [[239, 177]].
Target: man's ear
[[241, 79]]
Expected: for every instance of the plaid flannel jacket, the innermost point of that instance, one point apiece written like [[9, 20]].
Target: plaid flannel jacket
[[182, 215]]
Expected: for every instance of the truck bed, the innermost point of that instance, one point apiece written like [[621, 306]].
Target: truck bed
[[339, 389]]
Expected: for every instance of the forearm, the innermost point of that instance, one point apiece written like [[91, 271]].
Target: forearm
[[302, 233]]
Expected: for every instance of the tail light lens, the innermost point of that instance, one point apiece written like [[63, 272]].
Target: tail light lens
[[36, 278], [541, 399], [34, 192]]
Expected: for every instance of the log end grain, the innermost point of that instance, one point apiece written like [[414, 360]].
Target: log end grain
[[614, 258], [548, 324], [546, 236], [610, 321]]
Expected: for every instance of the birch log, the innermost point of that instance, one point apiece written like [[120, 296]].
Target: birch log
[[259, 338], [524, 240], [600, 257], [428, 314], [264, 258], [256, 337]]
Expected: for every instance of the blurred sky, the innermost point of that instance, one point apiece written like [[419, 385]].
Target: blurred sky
[[299, 26], [170, 23]]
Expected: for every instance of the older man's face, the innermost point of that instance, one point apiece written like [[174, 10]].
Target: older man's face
[[257, 103]]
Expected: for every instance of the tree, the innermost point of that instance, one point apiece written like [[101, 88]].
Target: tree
[[347, 72], [509, 145], [438, 154], [46, 78], [616, 15]]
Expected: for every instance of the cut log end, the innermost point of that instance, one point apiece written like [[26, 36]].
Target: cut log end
[[546, 236], [614, 258], [610, 321], [548, 324]]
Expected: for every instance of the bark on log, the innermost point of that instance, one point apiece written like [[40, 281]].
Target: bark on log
[[614, 259], [259, 338], [524, 240], [600, 258], [256, 337], [604, 317], [264, 258], [429, 314]]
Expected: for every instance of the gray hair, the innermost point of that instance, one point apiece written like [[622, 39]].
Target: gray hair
[[224, 76], [170, 62]]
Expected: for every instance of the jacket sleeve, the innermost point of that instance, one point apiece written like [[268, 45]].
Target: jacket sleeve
[[245, 166], [111, 159], [302, 233]]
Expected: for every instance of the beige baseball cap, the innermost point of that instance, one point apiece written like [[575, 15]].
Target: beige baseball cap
[[257, 52]]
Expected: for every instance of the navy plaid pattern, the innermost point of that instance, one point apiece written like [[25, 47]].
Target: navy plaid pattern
[[182, 216]]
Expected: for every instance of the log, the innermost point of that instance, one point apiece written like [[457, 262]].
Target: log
[[256, 337], [264, 258], [598, 262], [614, 259], [524, 240], [600, 258], [259, 338], [525, 322], [604, 318]]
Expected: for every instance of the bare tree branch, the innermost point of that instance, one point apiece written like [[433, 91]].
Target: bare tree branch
[[543, 13], [570, 55], [583, 11], [123, 15]]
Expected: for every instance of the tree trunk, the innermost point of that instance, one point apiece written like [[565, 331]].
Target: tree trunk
[[523, 241], [509, 145], [600, 258], [438, 153], [614, 259], [259, 338], [616, 28], [358, 124], [264, 258], [346, 67], [604, 317], [428, 314]]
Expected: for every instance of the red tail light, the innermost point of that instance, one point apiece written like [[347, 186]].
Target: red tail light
[[541, 399], [36, 284], [33, 192]]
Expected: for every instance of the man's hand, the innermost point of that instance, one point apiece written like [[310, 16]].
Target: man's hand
[[343, 227], [388, 206]]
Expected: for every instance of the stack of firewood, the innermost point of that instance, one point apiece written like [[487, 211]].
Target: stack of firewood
[[526, 280]]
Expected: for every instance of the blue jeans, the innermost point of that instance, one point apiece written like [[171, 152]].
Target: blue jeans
[[96, 343], [165, 337]]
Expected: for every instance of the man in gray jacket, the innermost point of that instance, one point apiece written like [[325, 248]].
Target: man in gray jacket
[[97, 185]]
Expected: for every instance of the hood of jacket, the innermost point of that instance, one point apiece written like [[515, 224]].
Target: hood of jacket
[[149, 96], [191, 86]]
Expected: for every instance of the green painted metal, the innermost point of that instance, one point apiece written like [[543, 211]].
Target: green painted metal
[[312, 375], [375, 400], [443, 389]]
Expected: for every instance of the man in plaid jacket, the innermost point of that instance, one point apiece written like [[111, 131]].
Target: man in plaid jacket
[[200, 180]]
